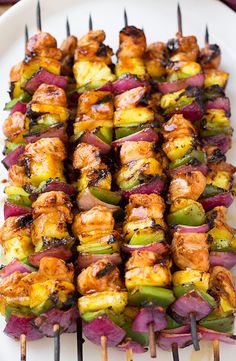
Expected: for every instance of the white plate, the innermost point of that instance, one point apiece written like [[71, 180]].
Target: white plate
[[158, 17]]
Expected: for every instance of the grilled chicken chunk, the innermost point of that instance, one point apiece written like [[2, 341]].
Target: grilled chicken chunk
[[143, 206], [97, 105], [86, 155], [44, 45], [17, 175], [98, 218], [55, 268], [131, 151], [130, 98], [132, 43], [222, 284], [68, 49], [189, 185], [177, 127], [100, 276], [50, 95], [183, 48], [210, 57], [157, 275], [156, 59], [141, 259], [190, 250], [14, 125], [14, 227]]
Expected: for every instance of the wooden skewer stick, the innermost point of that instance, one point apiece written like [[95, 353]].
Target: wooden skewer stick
[[216, 350], [23, 347], [26, 34], [152, 340], [68, 33], [125, 18], [129, 355], [38, 17], [179, 16], [80, 340], [206, 37], [90, 23], [175, 352], [56, 330], [104, 348], [194, 331]]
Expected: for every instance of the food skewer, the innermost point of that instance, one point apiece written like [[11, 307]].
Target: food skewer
[[90, 22], [179, 17]]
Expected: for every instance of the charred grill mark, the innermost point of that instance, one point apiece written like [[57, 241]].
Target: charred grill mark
[[106, 99], [102, 50], [132, 31], [106, 270], [24, 221]]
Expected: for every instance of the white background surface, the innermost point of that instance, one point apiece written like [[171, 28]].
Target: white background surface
[[158, 17]]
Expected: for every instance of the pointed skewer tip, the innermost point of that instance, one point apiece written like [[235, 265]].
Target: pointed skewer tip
[[90, 22], [67, 27], [26, 34], [207, 36], [56, 330], [179, 16], [125, 17], [38, 17], [80, 340]]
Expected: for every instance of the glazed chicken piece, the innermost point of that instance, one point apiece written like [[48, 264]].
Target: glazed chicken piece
[[98, 218], [17, 226], [50, 95], [17, 175], [130, 98], [68, 49], [86, 156], [190, 250], [217, 216], [51, 201], [43, 45], [141, 259], [177, 127], [142, 206], [15, 72], [156, 59], [55, 268], [132, 43], [131, 151], [91, 48], [100, 276], [222, 284], [97, 105], [158, 275], [187, 185], [14, 125], [183, 48], [210, 56]]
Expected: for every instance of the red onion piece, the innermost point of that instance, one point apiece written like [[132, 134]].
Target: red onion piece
[[90, 138], [174, 86], [13, 157], [85, 260], [127, 82], [55, 131], [224, 259], [190, 302], [18, 325], [222, 141], [19, 107], [87, 200], [188, 168], [166, 340], [146, 315], [192, 112], [147, 134], [65, 319], [103, 326], [56, 185], [160, 247], [107, 87], [211, 335], [223, 199], [156, 185], [219, 103], [42, 76], [134, 346], [179, 330], [56, 252], [14, 266], [11, 210], [193, 229]]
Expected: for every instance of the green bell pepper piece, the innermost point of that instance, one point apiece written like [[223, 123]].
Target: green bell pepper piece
[[10, 146], [211, 191], [171, 323], [18, 196], [146, 294], [191, 215], [180, 103], [43, 307], [23, 98], [147, 236], [89, 316], [197, 155], [183, 289], [26, 311], [131, 183], [218, 322], [105, 134], [124, 132], [105, 195], [215, 131], [98, 248]]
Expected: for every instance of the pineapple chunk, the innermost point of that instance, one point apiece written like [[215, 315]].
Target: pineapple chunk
[[182, 203], [17, 91], [133, 117], [30, 67], [103, 300], [42, 170], [130, 228], [158, 275], [178, 147], [61, 112], [19, 247], [130, 66], [81, 126], [155, 68], [199, 279], [170, 99], [215, 77], [221, 180], [90, 75]]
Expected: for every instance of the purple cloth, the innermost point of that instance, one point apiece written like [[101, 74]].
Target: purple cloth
[[231, 3]]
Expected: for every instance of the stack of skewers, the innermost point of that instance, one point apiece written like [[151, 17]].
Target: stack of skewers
[[130, 182]]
